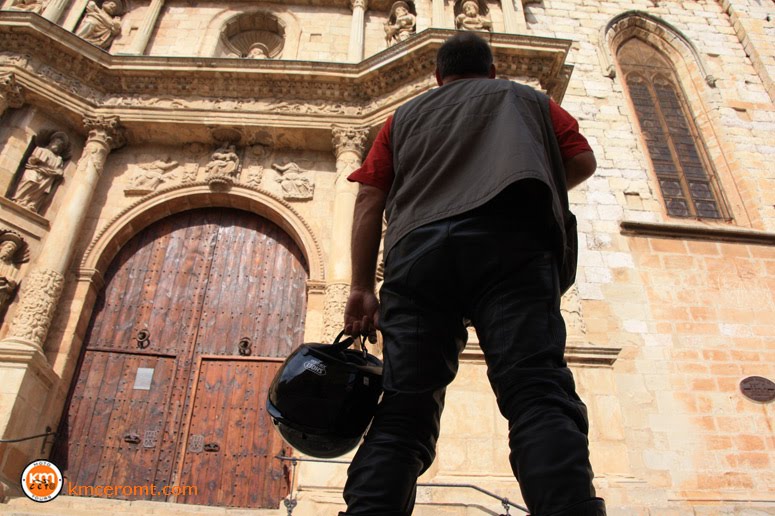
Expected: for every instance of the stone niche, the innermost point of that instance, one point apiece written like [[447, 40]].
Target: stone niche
[[254, 35]]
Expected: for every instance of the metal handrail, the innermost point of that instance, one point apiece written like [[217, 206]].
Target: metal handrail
[[30, 437], [505, 502]]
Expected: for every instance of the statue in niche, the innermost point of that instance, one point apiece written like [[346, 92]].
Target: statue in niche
[[258, 51], [224, 162], [31, 6], [101, 25], [43, 170], [471, 19], [13, 251], [150, 175], [295, 185], [401, 24], [224, 166]]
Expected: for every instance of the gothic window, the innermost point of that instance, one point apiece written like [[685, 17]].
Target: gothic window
[[685, 175]]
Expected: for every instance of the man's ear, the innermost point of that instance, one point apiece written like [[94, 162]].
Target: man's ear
[[438, 78], [491, 75]]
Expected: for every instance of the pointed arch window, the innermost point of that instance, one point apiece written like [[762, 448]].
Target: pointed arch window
[[685, 174]]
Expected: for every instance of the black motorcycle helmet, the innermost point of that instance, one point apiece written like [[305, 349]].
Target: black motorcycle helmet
[[324, 397]]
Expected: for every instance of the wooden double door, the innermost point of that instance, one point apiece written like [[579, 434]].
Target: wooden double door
[[196, 315]]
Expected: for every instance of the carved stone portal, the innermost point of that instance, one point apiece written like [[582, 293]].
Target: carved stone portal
[[296, 186], [42, 172]]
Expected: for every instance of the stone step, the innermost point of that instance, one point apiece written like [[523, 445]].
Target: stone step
[[82, 506]]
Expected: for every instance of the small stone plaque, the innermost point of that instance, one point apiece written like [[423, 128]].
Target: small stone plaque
[[143, 378], [757, 388]]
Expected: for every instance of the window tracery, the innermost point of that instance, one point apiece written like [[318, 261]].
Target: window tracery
[[683, 170]]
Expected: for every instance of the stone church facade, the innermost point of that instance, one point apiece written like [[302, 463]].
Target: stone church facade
[[175, 219]]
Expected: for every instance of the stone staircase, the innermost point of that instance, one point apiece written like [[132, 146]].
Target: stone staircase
[[81, 506]]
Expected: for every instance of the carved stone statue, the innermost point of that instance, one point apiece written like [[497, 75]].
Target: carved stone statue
[[401, 24], [150, 175], [295, 185], [258, 51], [43, 169], [13, 251], [224, 162], [471, 19], [32, 6], [101, 25]]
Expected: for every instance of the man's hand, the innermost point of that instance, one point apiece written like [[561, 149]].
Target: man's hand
[[361, 315]]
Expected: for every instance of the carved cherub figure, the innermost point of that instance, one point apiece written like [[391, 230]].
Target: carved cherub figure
[[401, 24], [151, 175], [471, 19]]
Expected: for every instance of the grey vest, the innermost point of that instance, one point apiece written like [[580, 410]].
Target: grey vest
[[458, 146]]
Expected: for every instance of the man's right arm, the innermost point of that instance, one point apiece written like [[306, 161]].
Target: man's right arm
[[579, 168]]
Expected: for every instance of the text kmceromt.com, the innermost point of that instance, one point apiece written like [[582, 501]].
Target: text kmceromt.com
[[124, 490]]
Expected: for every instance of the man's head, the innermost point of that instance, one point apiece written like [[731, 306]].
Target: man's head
[[464, 56]]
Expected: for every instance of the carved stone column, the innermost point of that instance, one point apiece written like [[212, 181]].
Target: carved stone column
[[439, 17], [143, 35], [355, 53], [54, 10], [43, 285], [513, 17], [10, 93], [349, 146]]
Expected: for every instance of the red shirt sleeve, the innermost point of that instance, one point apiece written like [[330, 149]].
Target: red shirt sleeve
[[377, 169], [566, 128]]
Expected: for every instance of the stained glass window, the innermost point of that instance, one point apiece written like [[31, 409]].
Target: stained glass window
[[683, 170]]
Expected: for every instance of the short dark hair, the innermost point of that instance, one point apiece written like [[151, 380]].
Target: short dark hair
[[464, 54]]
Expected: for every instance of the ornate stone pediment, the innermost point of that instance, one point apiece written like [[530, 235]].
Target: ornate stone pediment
[[275, 95]]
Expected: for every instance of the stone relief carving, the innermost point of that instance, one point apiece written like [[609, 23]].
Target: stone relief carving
[[333, 310], [224, 166], [571, 312], [101, 24], [32, 6], [42, 172], [470, 17], [10, 92], [255, 176], [37, 303], [401, 24], [148, 176], [295, 185], [13, 252]]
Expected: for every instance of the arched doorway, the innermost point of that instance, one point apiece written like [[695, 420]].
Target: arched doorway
[[197, 313]]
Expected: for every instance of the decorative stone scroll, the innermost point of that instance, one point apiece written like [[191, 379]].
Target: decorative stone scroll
[[472, 15], [295, 184], [39, 295], [43, 170], [101, 24], [401, 24]]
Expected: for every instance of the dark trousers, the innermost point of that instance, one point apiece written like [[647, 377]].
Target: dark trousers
[[499, 274]]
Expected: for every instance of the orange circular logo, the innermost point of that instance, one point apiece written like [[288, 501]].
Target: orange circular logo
[[41, 481]]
